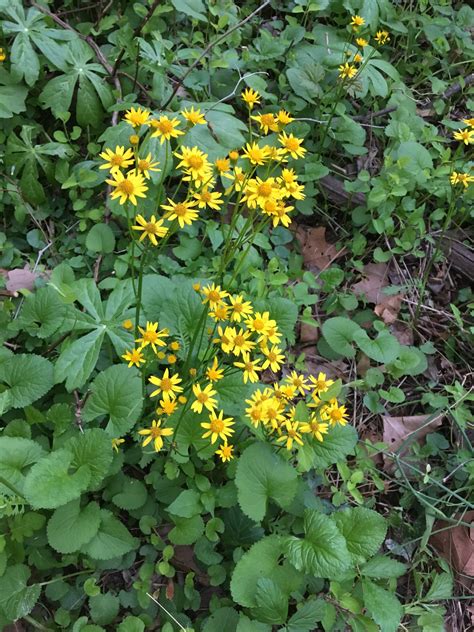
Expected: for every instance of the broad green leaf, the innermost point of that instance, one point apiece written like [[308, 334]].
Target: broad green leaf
[[383, 606], [192, 8], [104, 608], [88, 107], [88, 295], [323, 551], [43, 313], [221, 620], [364, 531], [28, 377], [25, 61], [13, 96], [263, 476], [263, 560], [339, 333], [157, 291], [132, 496], [113, 539], [93, 449], [272, 602], [186, 530], [232, 394], [17, 599], [285, 312], [249, 625], [131, 624], [117, 393], [70, 526], [50, 484], [383, 567], [307, 615], [338, 443], [57, 94], [186, 505], [78, 360], [16, 454], [385, 348], [441, 588]]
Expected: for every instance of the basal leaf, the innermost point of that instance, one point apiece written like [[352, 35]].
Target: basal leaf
[[17, 454], [28, 377], [17, 599], [93, 449], [339, 333], [78, 360], [382, 605], [338, 443], [364, 531], [43, 313], [112, 539], [70, 526]]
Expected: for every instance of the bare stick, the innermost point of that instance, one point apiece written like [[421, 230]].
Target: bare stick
[[167, 612]]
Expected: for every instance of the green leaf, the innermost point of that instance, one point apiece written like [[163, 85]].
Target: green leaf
[[383, 567], [78, 360], [70, 526], [338, 443], [323, 551], [307, 615], [113, 539], [339, 333], [28, 377], [17, 599], [272, 603], [383, 606], [25, 61], [13, 96], [50, 484], [186, 530], [284, 311], [16, 454], [263, 560], [117, 393], [186, 505], [364, 531], [43, 313], [193, 8], [57, 94], [93, 449], [104, 608], [232, 394], [100, 238], [221, 620], [385, 348], [262, 476], [131, 624], [88, 107], [133, 495], [247, 625], [441, 588]]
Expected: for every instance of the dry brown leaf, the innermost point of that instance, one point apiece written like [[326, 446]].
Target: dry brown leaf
[[403, 333], [20, 279], [308, 333], [397, 430], [372, 286], [456, 543], [388, 309], [317, 252]]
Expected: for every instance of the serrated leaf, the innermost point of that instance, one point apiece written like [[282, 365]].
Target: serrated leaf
[[221, 620], [364, 531], [383, 567], [70, 526], [133, 495], [17, 599], [323, 551], [186, 505], [263, 476], [93, 449], [88, 107], [186, 530], [249, 625], [16, 454], [43, 313], [383, 606], [50, 484], [232, 394], [28, 377], [113, 539], [307, 615], [338, 443], [117, 393], [57, 94], [104, 608], [441, 588], [272, 603], [131, 624], [78, 360]]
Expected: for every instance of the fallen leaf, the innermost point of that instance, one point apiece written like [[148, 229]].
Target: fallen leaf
[[317, 252], [403, 333], [401, 431], [308, 333], [170, 590], [456, 543], [20, 279], [372, 286], [388, 309]]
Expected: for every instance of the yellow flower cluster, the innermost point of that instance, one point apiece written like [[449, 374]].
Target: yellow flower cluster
[[153, 338], [464, 135], [349, 69], [3, 55]]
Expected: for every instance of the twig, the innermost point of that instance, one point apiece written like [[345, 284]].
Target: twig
[[210, 46], [234, 91], [167, 612]]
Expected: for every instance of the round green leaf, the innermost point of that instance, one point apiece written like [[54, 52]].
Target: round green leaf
[[101, 239], [70, 527], [28, 377]]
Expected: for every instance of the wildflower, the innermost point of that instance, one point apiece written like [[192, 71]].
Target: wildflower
[[213, 295], [127, 187], [222, 165], [240, 308], [314, 427], [321, 383], [255, 154], [356, 22], [116, 443], [150, 336], [211, 199], [181, 211], [127, 324], [167, 407], [171, 358], [255, 413], [134, 139], [362, 42], [134, 357], [155, 433], [335, 414], [357, 58], [167, 384], [273, 412], [278, 154], [382, 37], [195, 163], [220, 312], [161, 355], [213, 372], [196, 287], [294, 190], [292, 145], [217, 427], [175, 346], [288, 391], [165, 128], [258, 192], [145, 165], [250, 97], [267, 122], [272, 334], [298, 381], [239, 176], [279, 214], [465, 135], [195, 117], [249, 367], [260, 323], [225, 339], [461, 178], [116, 160], [347, 71], [284, 118], [234, 155], [137, 117], [469, 121], [193, 372], [3, 55], [225, 452], [241, 343], [290, 434], [152, 228], [204, 398], [274, 358]]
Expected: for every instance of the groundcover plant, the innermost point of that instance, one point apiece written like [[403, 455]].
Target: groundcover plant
[[235, 315]]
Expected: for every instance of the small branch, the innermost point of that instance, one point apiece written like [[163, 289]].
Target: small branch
[[210, 46], [167, 611], [371, 115]]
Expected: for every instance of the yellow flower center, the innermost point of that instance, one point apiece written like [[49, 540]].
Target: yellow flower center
[[166, 384], [291, 433], [202, 397], [116, 160], [267, 119], [143, 165], [292, 144], [239, 340], [151, 228], [238, 307], [272, 356], [297, 382], [258, 324], [271, 206], [165, 126], [336, 414], [249, 367], [180, 210], [156, 432], [264, 189], [206, 196], [217, 425], [214, 296], [150, 336], [126, 186]]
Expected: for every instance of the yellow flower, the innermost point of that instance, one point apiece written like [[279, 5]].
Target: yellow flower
[[382, 37], [298, 381], [116, 160], [3, 55], [212, 199], [321, 383], [195, 117], [258, 192], [347, 71], [161, 355], [134, 139], [220, 312], [152, 228], [241, 343], [465, 135], [213, 295], [150, 336], [314, 427], [260, 323], [167, 406], [273, 412], [225, 452], [335, 414], [145, 165], [294, 190], [234, 155], [362, 42], [134, 357], [249, 367], [255, 154], [255, 413], [175, 346], [272, 334], [127, 324], [181, 211], [469, 121], [277, 154], [195, 163], [204, 398], [267, 122], [357, 21], [225, 339], [167, 385], [213, 372], [284, 118], [250, 97], [274, 358], [290, 434], [239, 176], [165, 128], [222, 165], [127, 187], [357, 58], [218, 427], [292, 145], [461, 178], [116, 443], [280, 214], [155, 433], [240, 308], [171, 358], [137, 117]]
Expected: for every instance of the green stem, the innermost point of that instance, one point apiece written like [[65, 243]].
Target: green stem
[[14, 489], [140, 289]]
